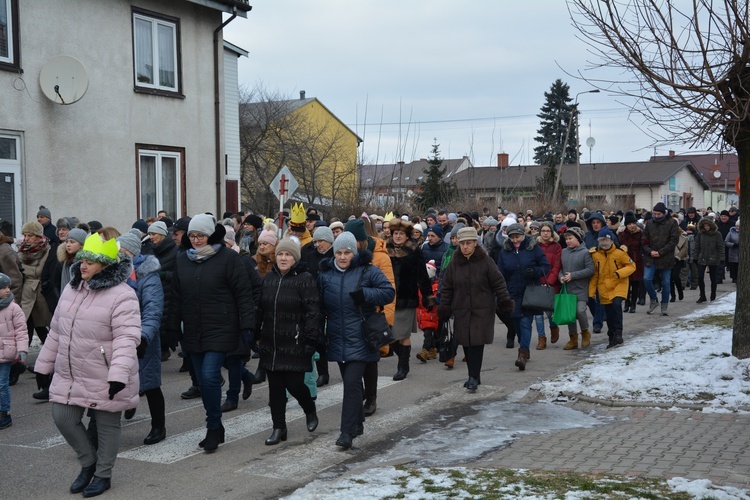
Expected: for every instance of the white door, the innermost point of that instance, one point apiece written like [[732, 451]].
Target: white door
[[10, 184]]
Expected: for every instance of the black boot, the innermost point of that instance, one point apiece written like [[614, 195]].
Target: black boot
[[626, 306], [510, 343], [214, 437], [157, 434], [370, 406], [323, 379], [311, 419], [97, 486], [83, 479], [260, 376], [276, 436], [617, 338], [344, 441], [404, 351]]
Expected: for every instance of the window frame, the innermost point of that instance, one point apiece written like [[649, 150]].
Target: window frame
[[156, 20], [160, 152], [13, 61]]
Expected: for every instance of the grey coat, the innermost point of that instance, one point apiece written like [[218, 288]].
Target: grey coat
[[580, 265]]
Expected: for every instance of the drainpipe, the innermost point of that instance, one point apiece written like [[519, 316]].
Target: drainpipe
[[217, 110]]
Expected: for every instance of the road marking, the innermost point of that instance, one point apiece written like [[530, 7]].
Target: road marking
[[309, 459], [184, 445]]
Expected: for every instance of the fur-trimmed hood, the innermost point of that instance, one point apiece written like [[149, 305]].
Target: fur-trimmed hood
[[707, 222], [528, 243], [110, 276], [555, 236], [145, 264], [362, 258]]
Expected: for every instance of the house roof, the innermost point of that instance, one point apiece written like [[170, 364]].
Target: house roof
[[236, 49], [243, 6], [593, 175], [706, 163], [406, 175]]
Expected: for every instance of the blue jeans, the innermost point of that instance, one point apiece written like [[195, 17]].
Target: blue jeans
[[237, 374], [523, 329], [665, 276], [5, 386], [208, 370], [539, 320]]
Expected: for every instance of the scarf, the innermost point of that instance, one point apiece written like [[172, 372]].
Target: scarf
[[6, 301], [203, 253], [32, 253]]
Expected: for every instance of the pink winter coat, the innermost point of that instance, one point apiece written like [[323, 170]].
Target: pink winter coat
[[14, 337], [92, 341]]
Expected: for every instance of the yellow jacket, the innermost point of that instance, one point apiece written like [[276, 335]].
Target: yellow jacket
[[611, 270]]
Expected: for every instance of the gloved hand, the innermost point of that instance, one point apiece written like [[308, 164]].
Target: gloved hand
[[358, 296], [444, 312], [505, 307], [529, 273], [114, 388], [248, 337], [21, 357], [141, 349]]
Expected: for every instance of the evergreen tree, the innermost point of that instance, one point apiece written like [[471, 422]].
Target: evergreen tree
[[545, 185], [435, 190], [555, 116]]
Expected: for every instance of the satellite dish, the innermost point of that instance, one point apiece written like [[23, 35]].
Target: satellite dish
[[717, 174], [63, 80], [590, 142]]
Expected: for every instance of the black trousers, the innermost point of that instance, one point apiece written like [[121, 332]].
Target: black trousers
[[474, 355], [156, 407], [352, 412], [294, 382]]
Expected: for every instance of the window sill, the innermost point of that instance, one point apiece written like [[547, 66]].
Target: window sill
[[164, 93], [15, 68]]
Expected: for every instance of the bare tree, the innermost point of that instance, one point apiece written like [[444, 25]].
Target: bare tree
[[320, 153], [687, 67]]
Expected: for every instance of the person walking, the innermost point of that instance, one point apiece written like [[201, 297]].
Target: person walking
[[351, 288], [660, 237], [288, 326], [91, 348], [549, 242], [473, 291], [732, 242], [33, 254], [709, 246], [213, 299], [631, 235], [577, 267]]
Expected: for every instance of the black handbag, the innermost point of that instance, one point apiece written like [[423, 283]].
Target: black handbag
[[538, 297], [375, 327], [446, 340]]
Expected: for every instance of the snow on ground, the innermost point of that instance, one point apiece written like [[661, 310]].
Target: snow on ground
[[685, 363]]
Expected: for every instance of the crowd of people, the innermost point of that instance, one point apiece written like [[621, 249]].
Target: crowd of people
[[109, 307]]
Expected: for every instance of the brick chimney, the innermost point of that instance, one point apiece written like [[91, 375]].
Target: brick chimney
[[502, 160], [671, 153]]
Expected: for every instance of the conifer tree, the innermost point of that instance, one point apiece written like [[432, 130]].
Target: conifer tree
[[555, 115], [435, 190]]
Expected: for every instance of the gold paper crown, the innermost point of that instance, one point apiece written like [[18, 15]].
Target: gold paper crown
[[388, 217], [298, 214]]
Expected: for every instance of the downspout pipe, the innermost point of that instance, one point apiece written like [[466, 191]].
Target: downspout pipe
[[217, 110]]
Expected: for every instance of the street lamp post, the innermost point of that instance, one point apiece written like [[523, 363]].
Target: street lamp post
[[578, 141]]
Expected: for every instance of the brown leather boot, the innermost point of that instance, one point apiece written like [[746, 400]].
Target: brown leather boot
[[542, 344], [523, 358], [585, 338], [554, 334], [573, 342]]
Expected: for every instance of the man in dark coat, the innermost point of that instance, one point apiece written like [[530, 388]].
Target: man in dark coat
[[435, 246], [44, 217], [660, 238]]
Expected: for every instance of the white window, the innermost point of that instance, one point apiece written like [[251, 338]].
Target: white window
[[7, 27], [159, 174], [11, 151], [155, 49]]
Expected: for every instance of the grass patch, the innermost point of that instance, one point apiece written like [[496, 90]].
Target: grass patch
[[720, 320]]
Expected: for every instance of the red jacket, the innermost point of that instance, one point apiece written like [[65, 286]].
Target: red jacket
[[553, 252], [427, 319]]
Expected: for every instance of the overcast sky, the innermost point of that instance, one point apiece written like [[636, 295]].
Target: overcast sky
[[471, 74]]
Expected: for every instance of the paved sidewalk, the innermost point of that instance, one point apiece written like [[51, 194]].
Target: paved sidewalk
[[640, 441]]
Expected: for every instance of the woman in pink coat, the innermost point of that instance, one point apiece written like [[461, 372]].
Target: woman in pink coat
[[91, 348]]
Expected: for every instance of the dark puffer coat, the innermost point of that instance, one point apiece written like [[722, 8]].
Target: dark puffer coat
[[513, 262], [345, 336], [288, 319], [709, 245], [213, 298], [150, 295], [410, 273], [166, 253], [634, 242], [473, 288], [662, 236]]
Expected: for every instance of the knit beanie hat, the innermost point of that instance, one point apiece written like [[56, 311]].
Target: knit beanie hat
[[45, 212], [141, 225], [490, 221], [515, 228], [418, 228], [337, 225], [158, 227], [97, 250], [357, 228], [77, 234], [254, 220], [202, 223], [323, 233], [268, 236], [437, 230], [345, 240], [629, 218], [62, 222], [33, 227], [291, 246], [507, 222], [5, 281], [606, 232], [577, 232], [457, 228], [94, 225], [130, 242], [660, 207]]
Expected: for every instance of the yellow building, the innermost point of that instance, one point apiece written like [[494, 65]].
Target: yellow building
[[307, 137]]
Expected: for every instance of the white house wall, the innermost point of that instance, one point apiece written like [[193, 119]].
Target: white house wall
[[232, 115], [80, 159]]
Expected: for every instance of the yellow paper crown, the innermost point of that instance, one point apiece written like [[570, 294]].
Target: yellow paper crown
[[97, 250], [388, 217], [298, 214]]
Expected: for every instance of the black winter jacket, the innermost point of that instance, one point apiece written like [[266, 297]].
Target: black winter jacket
[[410, 273], [288, 319]]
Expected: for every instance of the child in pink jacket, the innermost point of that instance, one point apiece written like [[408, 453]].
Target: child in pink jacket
[[14, 345]]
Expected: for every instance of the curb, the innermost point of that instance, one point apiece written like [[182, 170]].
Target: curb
[[645, 404]]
